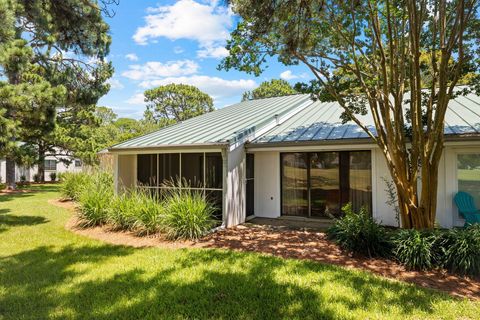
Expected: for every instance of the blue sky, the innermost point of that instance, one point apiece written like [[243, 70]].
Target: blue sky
[[160, 42]]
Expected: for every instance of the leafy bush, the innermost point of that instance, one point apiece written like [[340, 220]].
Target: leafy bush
[[460, 250], [359, 233], [53, 176], [95, 199], [73, 184], [416, 249], [23, 178], [187, 214], [121, 212], [36, 177]]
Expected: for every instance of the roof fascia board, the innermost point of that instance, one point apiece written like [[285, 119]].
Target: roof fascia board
[[314, 147], [171, 149]]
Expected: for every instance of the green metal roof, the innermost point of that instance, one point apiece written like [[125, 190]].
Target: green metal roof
[[302, 120], [222, 126], [320, 121]]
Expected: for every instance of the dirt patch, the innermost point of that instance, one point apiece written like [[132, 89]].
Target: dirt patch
[[287, 243]]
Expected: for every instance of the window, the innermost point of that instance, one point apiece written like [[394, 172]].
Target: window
[[468, 175], [50, 165], [78, 163], [318, 184]]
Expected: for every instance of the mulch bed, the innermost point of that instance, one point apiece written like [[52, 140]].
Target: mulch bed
[[287, 243]]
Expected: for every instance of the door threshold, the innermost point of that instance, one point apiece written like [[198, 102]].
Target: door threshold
[[307, 219]]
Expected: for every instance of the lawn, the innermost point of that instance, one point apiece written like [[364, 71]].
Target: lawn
[[49, 272]]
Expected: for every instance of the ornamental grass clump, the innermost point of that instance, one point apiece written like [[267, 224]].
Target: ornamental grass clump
[[188, 215], [359, 233], [95, 199], [416, 249], [461, 250], [73, 184], [149, 212]]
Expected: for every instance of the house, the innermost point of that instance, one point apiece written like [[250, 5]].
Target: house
[[52, 165], [292, 157]]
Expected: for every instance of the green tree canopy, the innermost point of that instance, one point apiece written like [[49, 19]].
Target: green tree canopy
[[367, 55], [177, 102], [268, 89]]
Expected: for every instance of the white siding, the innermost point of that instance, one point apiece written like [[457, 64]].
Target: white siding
[[234, 205]]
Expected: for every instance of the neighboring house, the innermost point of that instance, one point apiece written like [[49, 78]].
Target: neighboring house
[[292, 157], [52, 164]]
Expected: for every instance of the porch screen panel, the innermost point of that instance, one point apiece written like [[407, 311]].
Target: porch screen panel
[[294, 184], [360, 193], [325, 184], [213, 170], [147, 169], [468, 175], [168, 167], [192, 169]]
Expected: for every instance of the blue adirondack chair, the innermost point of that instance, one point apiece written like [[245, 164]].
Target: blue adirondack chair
[[466, 208]]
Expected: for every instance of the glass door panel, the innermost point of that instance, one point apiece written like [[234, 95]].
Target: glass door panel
[[325, 184], [294, 184], [360, 193], [468, 175]]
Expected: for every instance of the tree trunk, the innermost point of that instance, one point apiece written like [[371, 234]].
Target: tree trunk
[[10, 173], [41, 165]]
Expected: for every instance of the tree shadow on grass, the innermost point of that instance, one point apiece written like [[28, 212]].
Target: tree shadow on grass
[[198, 284], [8, 220], [15, 195]]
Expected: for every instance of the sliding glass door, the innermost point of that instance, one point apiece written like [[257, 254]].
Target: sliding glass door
[[318, 184], [294, 184]]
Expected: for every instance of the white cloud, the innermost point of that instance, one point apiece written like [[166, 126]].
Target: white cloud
[[207, 24], [178, 50], [137, 98], [131, 57], [154, 69], [216, 87], [115, 83], [212, 52], [288, 75]]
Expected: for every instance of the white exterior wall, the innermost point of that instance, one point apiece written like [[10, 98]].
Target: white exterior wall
[[234, 188], [267, 198], [30, 172]]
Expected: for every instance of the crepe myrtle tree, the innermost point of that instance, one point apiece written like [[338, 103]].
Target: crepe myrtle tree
[[399, 60], [176, 102]]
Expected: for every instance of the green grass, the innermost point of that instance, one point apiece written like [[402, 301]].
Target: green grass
[[48, 272]]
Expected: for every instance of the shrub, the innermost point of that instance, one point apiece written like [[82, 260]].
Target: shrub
[[461, 250], [73, 184], [359, 233], [53, 176], [95, 200], [136, 210], [36, 177], [187, 214], [23, 178], [149, 213], [416, 249]]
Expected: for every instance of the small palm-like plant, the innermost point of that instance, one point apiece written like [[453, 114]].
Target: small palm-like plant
[[416, 249]]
